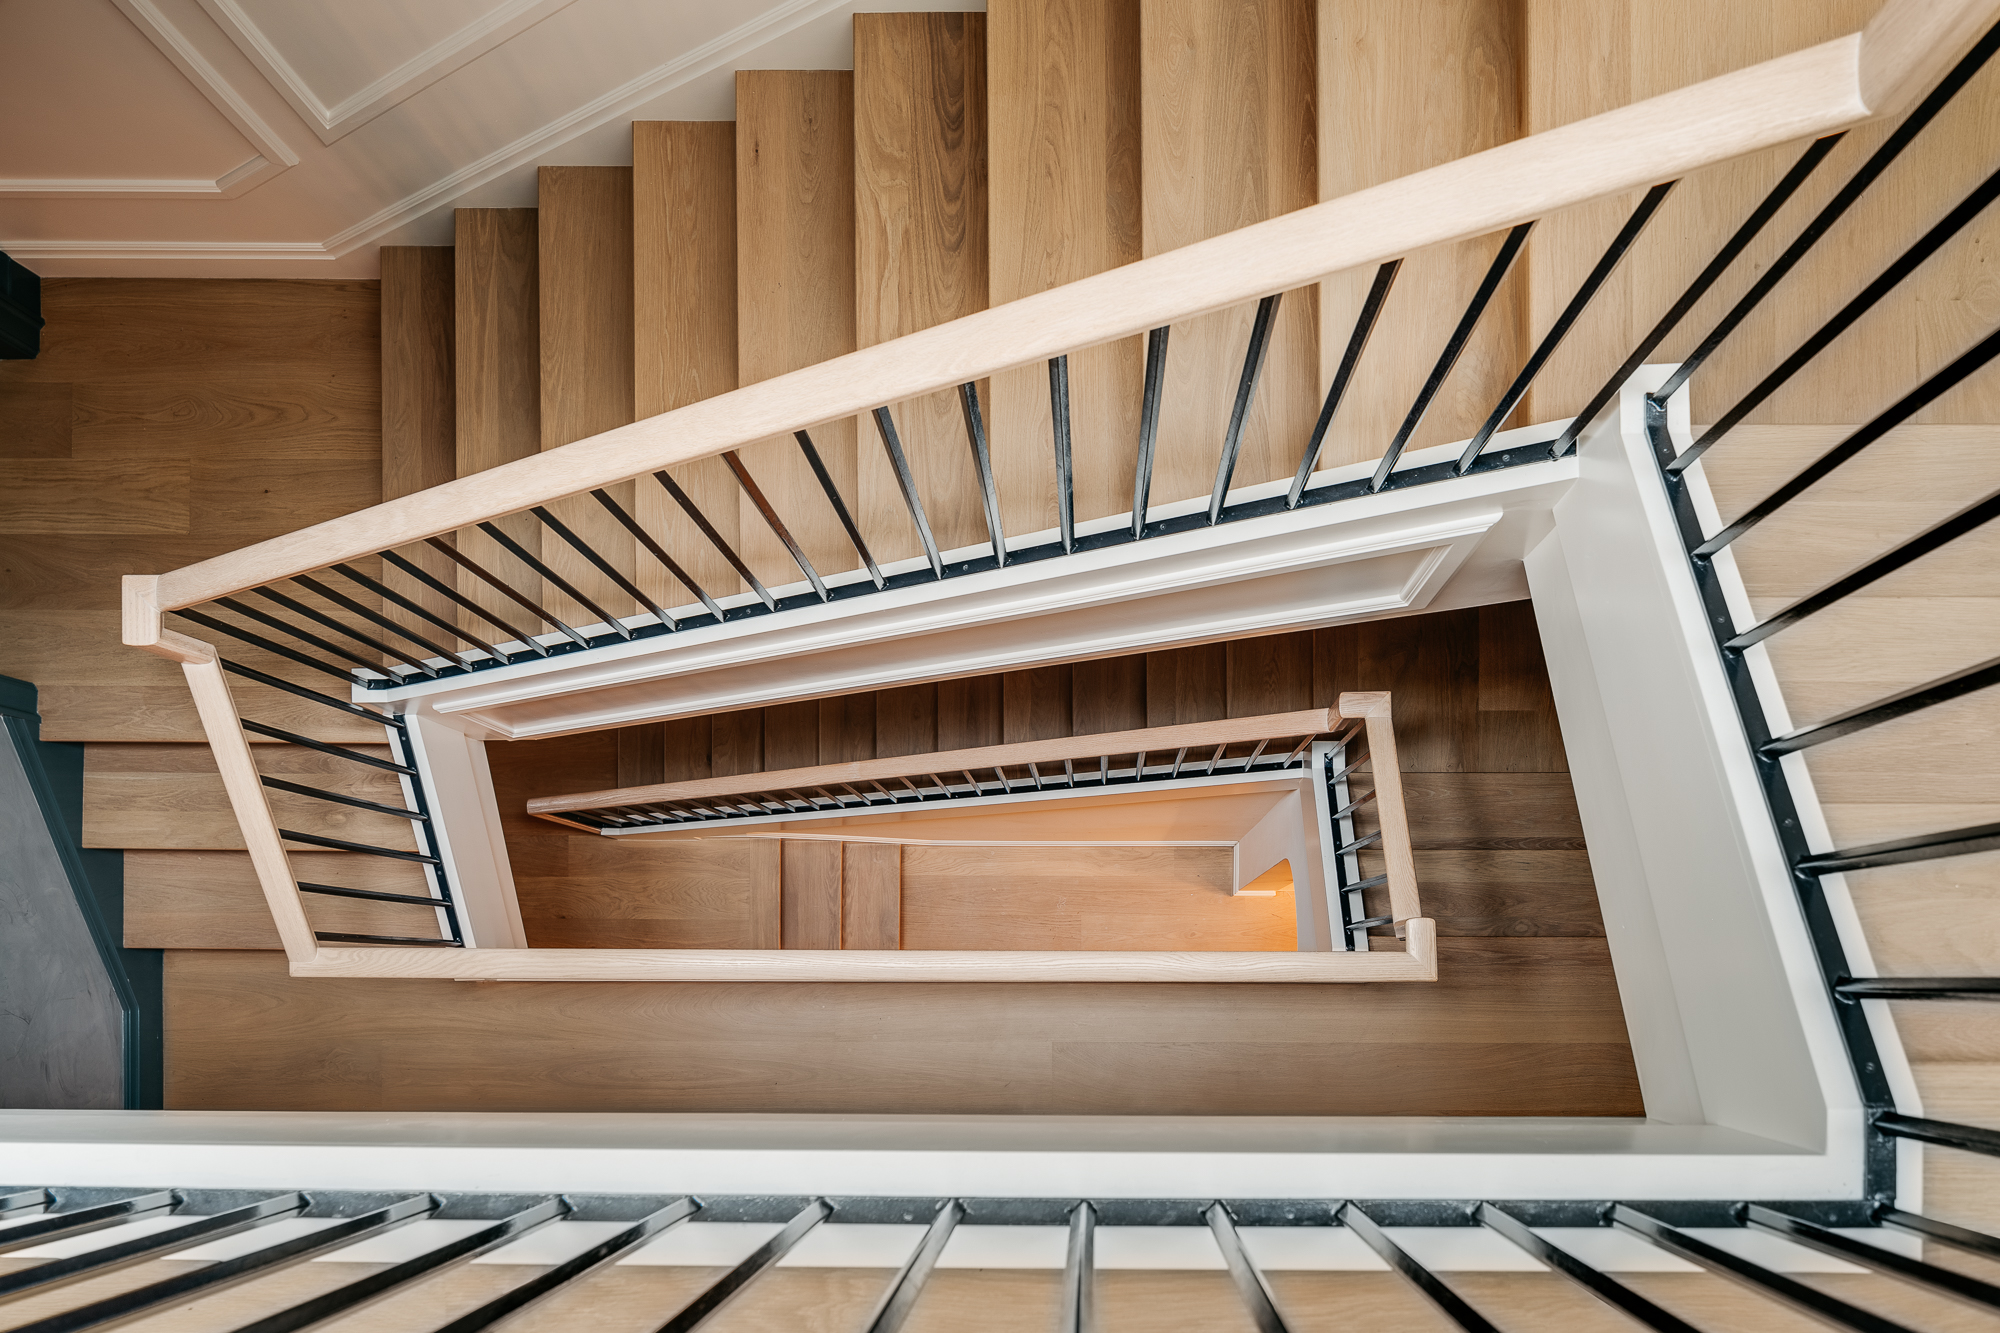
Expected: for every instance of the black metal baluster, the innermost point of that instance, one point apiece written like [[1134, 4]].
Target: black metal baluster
[[901, 1296], [303, 636], [109, 1258], [1717, 1260], [1607, 1289], [604, 567], [546, 1284], [773, 522], [1759, 218], [741, 1276], [1944, 1280], [1930, 539], [347, 603], [563, 585], [906, 481], [1450, 1302], [1453, 349], [423, 576], [507, 590], [276, 649], [1059, 430], [1905, 264], [658, 552], [318, 617], [293, 738], [982, 462], [1902, 410], [1079, 1297], [840, 510], [1857, 184], [1357, 342], [1598, 276], [700, 520], [1984, 675], [1250, 1283], [375, 586], [1239, 411], [1149, 426]]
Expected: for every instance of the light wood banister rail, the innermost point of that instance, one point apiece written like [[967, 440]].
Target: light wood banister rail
[[1156, 740], [1373, 708], [1808, 93]]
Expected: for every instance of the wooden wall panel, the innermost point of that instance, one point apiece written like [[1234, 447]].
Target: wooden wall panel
[[1513, 1027], [246, 409], [1229, 129], [584, 263], [419, 405], [684, 327], [871, 895], [812, 895], [497, 281], [1405, 85], [1063, 111], [795, 295], [920, 247]]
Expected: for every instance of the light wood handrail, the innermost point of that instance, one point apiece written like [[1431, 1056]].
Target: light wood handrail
[[1418, 961], [1387, 770], [1827, 87], [1155, 740]]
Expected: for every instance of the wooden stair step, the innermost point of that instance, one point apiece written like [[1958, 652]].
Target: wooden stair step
[[171, 797], [211, 900]]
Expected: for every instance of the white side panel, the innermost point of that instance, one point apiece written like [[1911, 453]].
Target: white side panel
[[1687, 828], [470, 842], [1277, 1157]]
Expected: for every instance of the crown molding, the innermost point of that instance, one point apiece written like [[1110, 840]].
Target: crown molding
[[332, 123], [167, 250], [230, 185], [272, 154]]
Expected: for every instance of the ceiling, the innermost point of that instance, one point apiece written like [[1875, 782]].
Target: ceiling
[[292, 138]]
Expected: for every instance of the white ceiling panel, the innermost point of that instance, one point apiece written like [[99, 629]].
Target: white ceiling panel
[[89, 100]]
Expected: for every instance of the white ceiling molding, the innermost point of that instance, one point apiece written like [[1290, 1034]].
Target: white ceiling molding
[[174, 45], [331, 123], [336, 181], [272, 154], [622, 100]]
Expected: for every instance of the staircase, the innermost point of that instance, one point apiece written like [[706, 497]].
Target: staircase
[[934, 182]]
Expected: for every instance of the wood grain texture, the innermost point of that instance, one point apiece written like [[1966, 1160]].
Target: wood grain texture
[[242, 1033], [419, 368], [243, 407], [811, 895], [1229, 134], [419, 401], [1404, 87], [871, 896], [1809, 93], [72, 498], [211, 900], [920, 257], [1063, 204], [584, 239], [169, 796], [497, 286], [684, 325], [795, 254]]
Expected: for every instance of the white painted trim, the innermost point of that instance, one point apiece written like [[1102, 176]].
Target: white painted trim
[[1673, 811], [1295, 1157], [465, 816], [230, 185], [273, 153], [1259, 575], [499, 26]]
